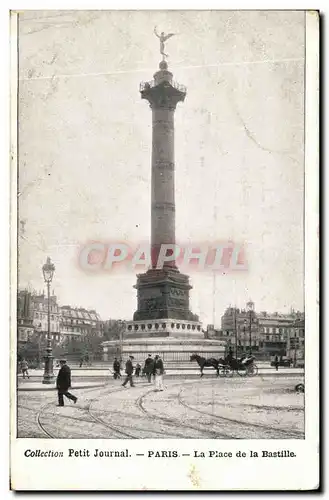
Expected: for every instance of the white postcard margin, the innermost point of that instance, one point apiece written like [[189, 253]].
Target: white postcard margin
[[187, 473]]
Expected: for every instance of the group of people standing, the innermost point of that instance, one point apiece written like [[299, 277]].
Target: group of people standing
[[152, 367]]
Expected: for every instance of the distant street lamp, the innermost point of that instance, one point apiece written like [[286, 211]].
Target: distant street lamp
[[122, 327], [48, 270], [250, 309], [244, 335], [295, 347], [236, 333]]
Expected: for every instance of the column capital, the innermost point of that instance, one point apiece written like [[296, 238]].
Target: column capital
[[163, 95]]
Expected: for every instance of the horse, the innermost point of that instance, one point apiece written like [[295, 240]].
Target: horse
[[202, 362]]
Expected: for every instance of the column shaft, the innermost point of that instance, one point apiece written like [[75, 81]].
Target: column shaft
[[163, 181]]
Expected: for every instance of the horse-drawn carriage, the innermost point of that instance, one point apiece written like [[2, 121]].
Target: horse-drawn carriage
[[244, 366], [226, 367]]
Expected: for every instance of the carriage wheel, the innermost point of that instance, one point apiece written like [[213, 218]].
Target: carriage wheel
[[252, 370], [242, 371]]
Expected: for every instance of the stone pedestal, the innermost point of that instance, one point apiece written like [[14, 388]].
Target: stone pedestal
[[175, 351], [162, 294]]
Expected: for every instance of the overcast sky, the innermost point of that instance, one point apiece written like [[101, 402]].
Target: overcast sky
[[85, 149]]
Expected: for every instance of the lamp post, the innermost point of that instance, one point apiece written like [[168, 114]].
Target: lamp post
[[250, 309], [236, 334], [122, 326], [48, 270], [244, 336], [295, 347]]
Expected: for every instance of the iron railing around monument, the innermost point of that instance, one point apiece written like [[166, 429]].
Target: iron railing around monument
[[148, 85]]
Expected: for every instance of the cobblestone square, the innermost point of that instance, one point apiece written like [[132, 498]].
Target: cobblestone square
[[236, 408]]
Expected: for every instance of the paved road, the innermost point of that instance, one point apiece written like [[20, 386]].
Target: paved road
[[210, 408]]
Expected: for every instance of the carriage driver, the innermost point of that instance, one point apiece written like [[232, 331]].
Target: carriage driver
[[229, 358]]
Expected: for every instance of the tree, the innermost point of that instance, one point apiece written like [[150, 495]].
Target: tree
[[33, 350]]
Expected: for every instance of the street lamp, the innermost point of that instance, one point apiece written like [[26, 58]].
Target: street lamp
[[48, 270], [250, 309], [236, 334], [295, 347], [244, 336], [122, 327]]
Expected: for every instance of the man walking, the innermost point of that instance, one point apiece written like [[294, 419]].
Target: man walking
[[129, 372], [158, 371], [116, 368], [148, 367], [63, 383], [276, 363], [24, 368]]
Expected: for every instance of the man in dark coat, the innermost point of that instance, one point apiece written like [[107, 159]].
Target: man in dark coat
[[116, 368], [148, 367], [129, 372], [229, 357], [63, 383], [276, 363]]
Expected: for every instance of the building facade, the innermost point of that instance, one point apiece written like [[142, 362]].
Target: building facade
[[79, 322], [263, 334], [25, 327], [296, 342], [39, 311], [66, 322]]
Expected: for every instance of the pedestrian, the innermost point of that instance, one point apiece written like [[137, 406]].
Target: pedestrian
[[137, 370], [148, 367], [116, 368], [24, 368], [158, 371], [129, 372], [81, 362], [276, 363], [63, 383]]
